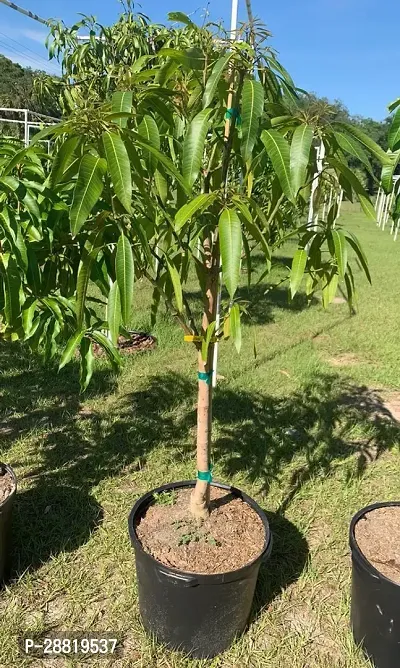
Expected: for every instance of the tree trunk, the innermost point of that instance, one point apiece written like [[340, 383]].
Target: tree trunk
[[200, 498]]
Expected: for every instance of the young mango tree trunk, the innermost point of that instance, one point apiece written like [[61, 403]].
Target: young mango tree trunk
[[200, 498]]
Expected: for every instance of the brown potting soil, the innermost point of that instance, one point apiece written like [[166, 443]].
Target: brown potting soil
[[378, 537], [6, 484], [136, 343], [232, 536]]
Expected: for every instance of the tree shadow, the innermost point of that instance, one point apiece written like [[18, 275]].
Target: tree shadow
[[263, 299], [288, 559], [328, 420], [55, 510], [286, 439]]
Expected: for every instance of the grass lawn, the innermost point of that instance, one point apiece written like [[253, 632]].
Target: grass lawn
[[305, 429]]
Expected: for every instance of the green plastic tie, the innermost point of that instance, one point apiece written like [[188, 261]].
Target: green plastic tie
[[233, 113], [205, 475], [206, 376]]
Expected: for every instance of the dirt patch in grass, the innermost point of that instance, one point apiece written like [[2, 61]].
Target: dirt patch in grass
[[346, 359], [7, 484], [136, 343], [230, 538], [378, 537], [392, 404]]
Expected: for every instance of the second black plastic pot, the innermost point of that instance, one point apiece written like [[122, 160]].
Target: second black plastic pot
[[5, 526], [375, 604], [195, 613]]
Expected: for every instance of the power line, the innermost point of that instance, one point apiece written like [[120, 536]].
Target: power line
[[35, 53], [26, 12], [36, 64], [40, 60]]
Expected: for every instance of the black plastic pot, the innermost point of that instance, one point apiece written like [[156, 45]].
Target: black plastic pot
[[197, 614], [375, 604], [5, 526]]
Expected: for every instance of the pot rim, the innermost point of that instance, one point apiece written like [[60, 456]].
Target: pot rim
[[356, 552], [9, 470], [201, 577]]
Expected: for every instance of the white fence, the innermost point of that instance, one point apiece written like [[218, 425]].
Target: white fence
[[384, 207], [28, 120]]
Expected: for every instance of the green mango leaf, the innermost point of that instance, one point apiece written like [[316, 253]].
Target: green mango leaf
[[161, 185], [340, 246], [114, 312], [298, 268], [329, 288], [393, 105], [21, 251], [176, 282], [235, 326], [252, 110], [119, 168], [15, 160], [193, 146], [214, 79], [87, 191], [89, 255], [355, 184], [122, 102], [53, 306], [279, 152], [66, 156], [353, 147], [300, 155], [108, 347], [180, 17], [148, 129], [12, 286], [394, 132], [87, 363], [197, 205], [31, 205], [70, 349], [230, 241], [366, 141], [207, 340], [28, 313], [125, 275], [388, 173], [355, 244], [168, 164]]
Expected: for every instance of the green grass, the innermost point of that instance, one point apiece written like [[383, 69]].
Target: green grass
[[296, 428]]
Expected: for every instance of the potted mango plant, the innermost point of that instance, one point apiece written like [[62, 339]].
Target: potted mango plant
[[375, 530], [201, 160]]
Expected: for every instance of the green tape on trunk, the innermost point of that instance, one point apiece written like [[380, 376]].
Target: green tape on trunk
[[205, 475], [206, 376]]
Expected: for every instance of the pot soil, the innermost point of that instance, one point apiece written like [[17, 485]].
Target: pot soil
[[8, 488], [136, 343], [196, 580], [375, 606]]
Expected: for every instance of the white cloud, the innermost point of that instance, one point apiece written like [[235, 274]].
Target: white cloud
[[35, 35]]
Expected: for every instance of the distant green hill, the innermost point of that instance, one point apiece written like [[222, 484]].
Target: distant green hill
[[16, 88]]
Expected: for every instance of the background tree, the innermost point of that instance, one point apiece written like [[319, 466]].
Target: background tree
[[17, 90]]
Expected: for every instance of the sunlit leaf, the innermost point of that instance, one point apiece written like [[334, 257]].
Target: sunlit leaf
[[230, 240]]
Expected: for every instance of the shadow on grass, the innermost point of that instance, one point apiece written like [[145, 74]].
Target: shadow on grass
[[262, 301], [291, 439], [70, 449], [288, 559]]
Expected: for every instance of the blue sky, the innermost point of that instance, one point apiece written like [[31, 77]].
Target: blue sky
[[343, 49]]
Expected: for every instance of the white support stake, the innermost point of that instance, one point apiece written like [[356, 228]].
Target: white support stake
[[234, 22], [340, 201], [26, 128]]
